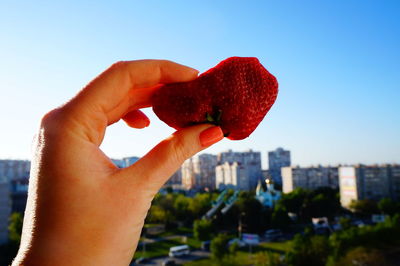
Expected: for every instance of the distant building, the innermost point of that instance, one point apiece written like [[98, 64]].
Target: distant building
[[125, 162], [130, 160], [309, 177], [176, 178], [266, 193], [249, 160], [119, 163], [19, 194], [232, 175], [276, 160], [5, 211], [199, 172], [14, 169], [369, 182]]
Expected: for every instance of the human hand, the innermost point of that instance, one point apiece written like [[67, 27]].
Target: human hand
[[82, 209]]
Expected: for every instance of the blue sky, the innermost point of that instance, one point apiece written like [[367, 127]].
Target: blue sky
[[337, 63]]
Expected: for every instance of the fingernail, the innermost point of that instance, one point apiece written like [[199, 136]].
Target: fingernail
[[210, 136]]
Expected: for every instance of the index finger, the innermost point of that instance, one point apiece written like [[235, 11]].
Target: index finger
[[120, 88]]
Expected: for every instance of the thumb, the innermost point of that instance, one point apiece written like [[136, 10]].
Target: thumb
[[153, 170]]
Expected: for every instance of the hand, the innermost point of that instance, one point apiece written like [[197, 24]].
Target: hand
[[82, 209]]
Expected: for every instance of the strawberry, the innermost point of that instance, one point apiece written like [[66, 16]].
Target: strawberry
[[235, 95]]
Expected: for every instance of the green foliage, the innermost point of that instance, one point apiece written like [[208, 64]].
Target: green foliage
[[293, 201], [388, 206], [345, 223], [219, 246], [364, 207], [181, 207], [266, 259], [322, 202], [15, 227], [363, 256], [280, 218], [249, 208], [202, 229], [200, 204], [233, 248], [308, 250], [384, 234]]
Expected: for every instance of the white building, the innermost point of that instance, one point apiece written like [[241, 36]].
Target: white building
[[232, 175], [369, 182], [248, 160], [199, 172], [309, 177]]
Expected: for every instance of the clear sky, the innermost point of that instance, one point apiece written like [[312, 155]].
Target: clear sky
[[337, 63]]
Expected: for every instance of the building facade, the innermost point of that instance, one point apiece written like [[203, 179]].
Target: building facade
[[309, 177], [372, 182], [14, 169], [249, 161], [198, 172], [276, 160], [5, 211], [232, 175]]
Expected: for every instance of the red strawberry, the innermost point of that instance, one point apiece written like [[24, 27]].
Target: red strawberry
[[236, 95]]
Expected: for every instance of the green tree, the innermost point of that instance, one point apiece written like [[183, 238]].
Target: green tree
[[293, 201], [308, 250], [233, 248], [200, 204], [15, 227], [181, 208], [266, 259], [388, 206], [202, 229], [248, 208], [345, 223], [363, 256], [280, 218], [219, 246], [364, 207]]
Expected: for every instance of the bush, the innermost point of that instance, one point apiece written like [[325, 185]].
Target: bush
[[202, 229], [219, 246]]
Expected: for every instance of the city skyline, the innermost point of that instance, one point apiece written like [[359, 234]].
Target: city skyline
[[337, 66]]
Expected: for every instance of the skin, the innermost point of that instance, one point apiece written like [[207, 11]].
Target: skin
[[82, 209]]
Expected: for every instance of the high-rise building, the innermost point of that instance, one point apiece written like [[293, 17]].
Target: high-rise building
[[199, 172], [232, 175], [369, 182], [176, 178], [5, 210], [125, 162], [309, 177], [14, 169], [249, 160], [276, 160], [130, 160]]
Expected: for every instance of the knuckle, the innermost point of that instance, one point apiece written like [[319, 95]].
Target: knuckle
[[119, 65], [179, 150]]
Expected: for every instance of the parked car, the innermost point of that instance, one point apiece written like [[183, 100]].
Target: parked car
[[168, 262], [274, 235]]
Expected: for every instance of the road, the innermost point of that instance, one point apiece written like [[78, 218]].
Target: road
[[194, 255]]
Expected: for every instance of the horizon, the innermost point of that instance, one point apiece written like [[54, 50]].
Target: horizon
[[336, 63]]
